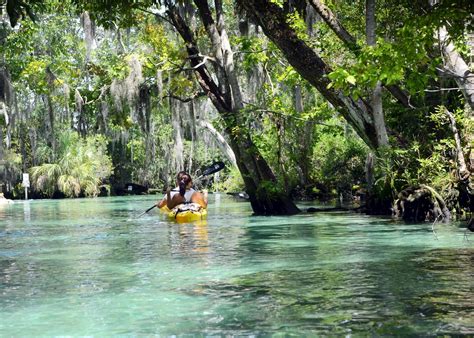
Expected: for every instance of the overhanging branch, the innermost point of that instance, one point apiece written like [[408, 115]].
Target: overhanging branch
[[187, 99], [351, 44]]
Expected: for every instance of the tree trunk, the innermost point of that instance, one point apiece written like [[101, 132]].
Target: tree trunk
[[376, 100], [305, 140], [225, 94], [1, 146], [192, 129], [260, 182], [178, 136], [463, 172], [221, 142], [6, 100]]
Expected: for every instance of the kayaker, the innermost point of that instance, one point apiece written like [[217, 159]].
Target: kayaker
[[183, 193]]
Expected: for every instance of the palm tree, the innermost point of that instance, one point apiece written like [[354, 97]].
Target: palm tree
[[81, 167]]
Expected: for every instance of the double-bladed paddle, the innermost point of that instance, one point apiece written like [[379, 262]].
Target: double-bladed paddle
[[213, 168]]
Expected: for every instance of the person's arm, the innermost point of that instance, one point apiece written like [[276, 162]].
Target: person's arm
[[199, 198], [171, 202], [163, 203]]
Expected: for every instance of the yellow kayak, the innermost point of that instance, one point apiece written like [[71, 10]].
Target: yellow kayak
[[187, 212], [165, 210]]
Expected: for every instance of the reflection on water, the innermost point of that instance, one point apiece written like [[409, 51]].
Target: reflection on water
[[91, 267]]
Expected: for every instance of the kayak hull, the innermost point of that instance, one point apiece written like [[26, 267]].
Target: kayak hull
[[188, 212]]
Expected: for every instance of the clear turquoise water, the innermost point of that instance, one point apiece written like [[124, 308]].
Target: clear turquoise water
[[89, 267]]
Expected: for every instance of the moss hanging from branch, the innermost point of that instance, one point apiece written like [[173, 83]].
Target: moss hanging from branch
[[126, 92], [89, 33]]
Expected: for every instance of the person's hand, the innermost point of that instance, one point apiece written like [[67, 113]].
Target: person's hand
[[204, 194]]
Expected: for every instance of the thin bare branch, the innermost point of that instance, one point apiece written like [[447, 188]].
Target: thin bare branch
[[258, 109], [187, 99]]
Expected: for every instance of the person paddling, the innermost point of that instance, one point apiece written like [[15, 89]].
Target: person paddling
[[182, 193], [198, 198]]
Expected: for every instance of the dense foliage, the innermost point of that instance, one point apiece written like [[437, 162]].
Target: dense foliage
[[81, 167], [114, 75]]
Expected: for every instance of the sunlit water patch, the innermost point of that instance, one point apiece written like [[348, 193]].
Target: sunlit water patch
[[92, 267]]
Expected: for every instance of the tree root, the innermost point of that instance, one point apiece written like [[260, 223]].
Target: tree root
[[419, 204]]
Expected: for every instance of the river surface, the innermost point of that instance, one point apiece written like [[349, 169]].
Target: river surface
[[90, 267]]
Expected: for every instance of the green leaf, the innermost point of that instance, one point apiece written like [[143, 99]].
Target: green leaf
[[351, 79]]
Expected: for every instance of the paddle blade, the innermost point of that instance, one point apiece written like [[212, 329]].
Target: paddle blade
[[143, 213], [213, 168]]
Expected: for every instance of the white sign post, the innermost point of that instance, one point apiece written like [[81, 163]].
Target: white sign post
[[26, 184]]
